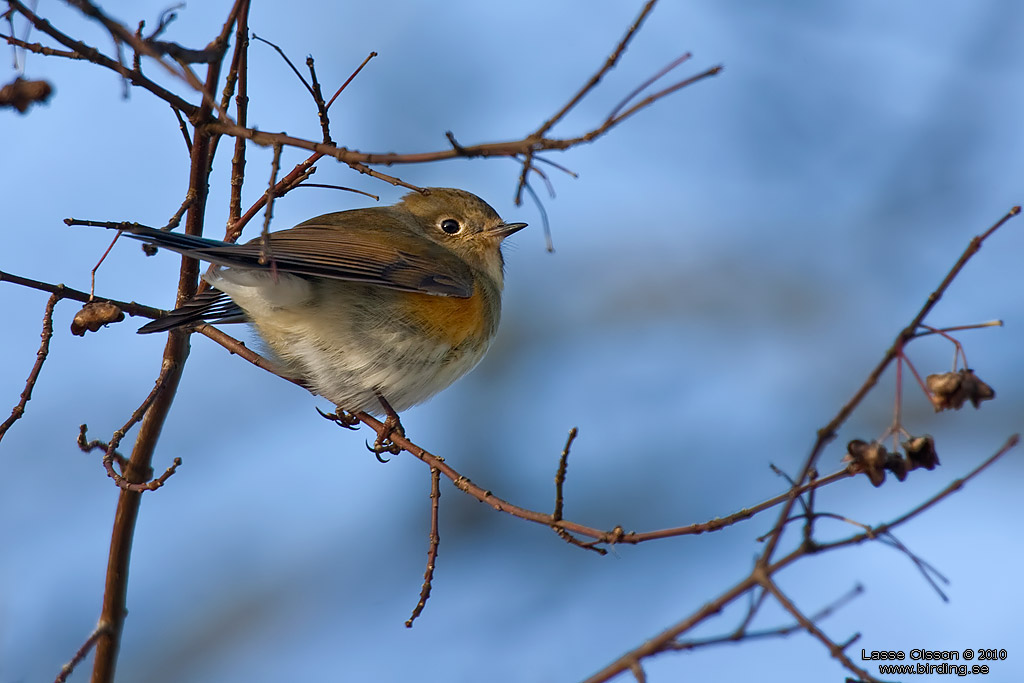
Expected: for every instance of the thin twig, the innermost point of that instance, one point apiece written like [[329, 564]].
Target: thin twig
[[136, 57], [183, 127], [524, 172], [350, 78], [609, 63], [166, 17], [650, 81], [556, 516], [808, 625], [129, 307], [115, 441], [38, 49], [757, 596], [33, 375], [927, 331], [9, 17], [548, 185], [238, 348], [929, 572], [234, 228], [240, 69], [151, 485], [563, 169], [275, 166], [338, 187], [298, 74], [92, 273], [82, 653], [563, 466], [741, 635], [175, 220], [811, 517], [548, 243], [615, 120], [435, 541], [394, 180], [87, 446], [313, 88], [318, 99]]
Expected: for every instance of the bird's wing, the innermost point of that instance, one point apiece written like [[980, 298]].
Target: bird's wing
[[397, 258], [338, 246]]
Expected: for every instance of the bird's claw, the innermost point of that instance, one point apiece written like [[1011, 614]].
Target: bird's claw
[[341, 418], [392, 425]]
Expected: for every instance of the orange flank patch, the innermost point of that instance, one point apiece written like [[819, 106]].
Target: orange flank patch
[[450, 318]]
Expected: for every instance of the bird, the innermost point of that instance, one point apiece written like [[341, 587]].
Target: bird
[[375, 309]]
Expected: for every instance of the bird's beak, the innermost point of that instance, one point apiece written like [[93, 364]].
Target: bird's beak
[[505, 229]]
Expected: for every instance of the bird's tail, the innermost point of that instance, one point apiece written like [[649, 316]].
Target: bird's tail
[[175, 241], [210, 306]]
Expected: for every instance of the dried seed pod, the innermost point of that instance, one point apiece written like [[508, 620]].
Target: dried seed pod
[[921, 452], [95, 315], [953, 389], [897, 465], [976, 390], [21, 94], [870, 457]]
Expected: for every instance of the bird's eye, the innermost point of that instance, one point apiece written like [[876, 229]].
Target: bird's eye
[[451, 226]]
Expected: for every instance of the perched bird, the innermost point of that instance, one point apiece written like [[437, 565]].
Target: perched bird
[[393, 302]]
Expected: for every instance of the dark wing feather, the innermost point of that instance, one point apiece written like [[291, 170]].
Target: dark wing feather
[[210, 306]]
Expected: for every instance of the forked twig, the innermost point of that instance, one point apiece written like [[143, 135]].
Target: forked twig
[[82, 653]]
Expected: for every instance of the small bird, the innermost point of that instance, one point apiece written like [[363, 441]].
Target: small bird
[[392, 303]]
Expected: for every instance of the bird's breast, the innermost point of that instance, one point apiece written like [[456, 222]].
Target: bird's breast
[[453, 320]]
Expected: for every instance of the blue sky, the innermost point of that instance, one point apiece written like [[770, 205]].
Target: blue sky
[[728, 267]]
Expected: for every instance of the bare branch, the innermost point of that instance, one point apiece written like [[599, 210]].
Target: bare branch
[[129, 307], [38, 49], [33, 375]]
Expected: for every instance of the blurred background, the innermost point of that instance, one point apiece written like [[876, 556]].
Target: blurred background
[[728, 267]]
